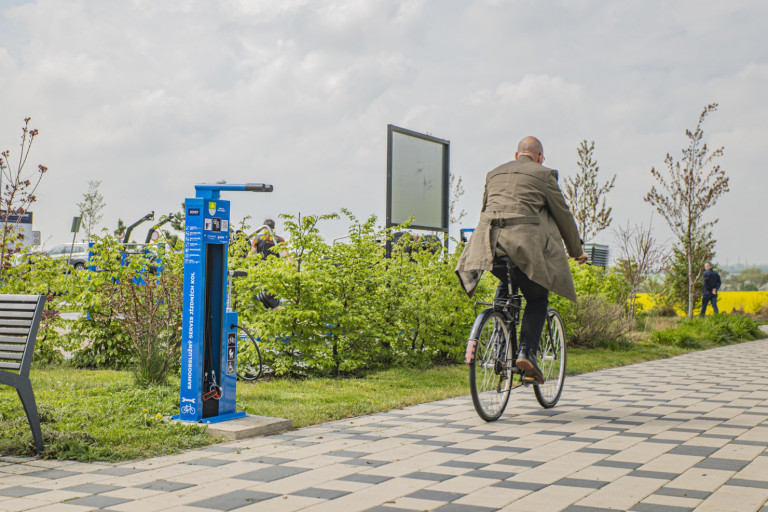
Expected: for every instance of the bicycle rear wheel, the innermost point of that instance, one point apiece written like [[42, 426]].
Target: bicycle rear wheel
[[490, 372], [551, 358]]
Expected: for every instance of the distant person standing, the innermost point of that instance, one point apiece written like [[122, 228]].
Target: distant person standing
[[709, 290], [266, 240]]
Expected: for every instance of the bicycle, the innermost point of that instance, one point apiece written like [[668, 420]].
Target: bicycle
[[491, 351]]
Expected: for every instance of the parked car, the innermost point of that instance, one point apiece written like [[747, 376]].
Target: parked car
[[78, 258]]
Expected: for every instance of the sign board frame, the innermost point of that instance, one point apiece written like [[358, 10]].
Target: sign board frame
[[395, 179]]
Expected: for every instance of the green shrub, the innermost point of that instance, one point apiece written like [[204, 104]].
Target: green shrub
[[346, 308], [597, 322], [716, 329]]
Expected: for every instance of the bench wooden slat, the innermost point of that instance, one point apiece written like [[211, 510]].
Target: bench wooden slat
[[18, 297], [9, 366], [13, 356], [16, 307], [13, 330], [16, 347], [13, 339], [6, 322], [17, 314]]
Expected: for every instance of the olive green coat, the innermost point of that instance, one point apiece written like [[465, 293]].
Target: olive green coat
[[536, 222]]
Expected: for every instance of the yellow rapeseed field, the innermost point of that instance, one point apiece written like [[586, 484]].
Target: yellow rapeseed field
[[749, 302]]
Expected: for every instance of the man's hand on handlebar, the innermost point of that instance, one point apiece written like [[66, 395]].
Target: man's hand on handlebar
[[581, 259]]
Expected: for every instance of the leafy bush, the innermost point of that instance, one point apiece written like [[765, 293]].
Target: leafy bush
[[597, 321], [717, 329], [599, 316], [143, 292], [346, 307], [38, 274]]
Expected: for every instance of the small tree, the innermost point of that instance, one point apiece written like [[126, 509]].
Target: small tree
[[678, 277], [586, 195], [688, 189], [17, 193], [638, 257], [90, 207]]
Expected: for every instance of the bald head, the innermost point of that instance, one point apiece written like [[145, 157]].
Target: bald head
[[530, 147]]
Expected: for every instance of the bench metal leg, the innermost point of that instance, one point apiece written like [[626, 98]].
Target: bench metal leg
[[27, 396]]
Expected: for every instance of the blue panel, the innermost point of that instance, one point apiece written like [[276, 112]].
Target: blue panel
[[194, 299], [229, 365]]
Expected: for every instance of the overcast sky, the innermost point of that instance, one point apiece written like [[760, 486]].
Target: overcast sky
[[153, 96]]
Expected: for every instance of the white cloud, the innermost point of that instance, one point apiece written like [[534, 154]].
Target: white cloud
[[151, 97]]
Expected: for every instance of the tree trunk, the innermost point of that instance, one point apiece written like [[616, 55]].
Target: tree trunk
[[690, 283]]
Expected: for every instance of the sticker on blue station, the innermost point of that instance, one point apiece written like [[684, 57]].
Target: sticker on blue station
[[193, 211]]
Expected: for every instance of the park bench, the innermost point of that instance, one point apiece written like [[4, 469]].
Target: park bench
[[19, 320]]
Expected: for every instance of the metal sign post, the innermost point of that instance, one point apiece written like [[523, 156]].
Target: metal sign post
[[75, 229], [209, 339]]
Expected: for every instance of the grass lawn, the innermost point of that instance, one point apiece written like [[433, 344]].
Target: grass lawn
[[100, 415]]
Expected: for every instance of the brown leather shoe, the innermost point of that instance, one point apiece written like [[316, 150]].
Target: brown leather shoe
[[527, 363]]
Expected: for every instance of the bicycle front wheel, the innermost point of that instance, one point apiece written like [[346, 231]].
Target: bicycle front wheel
[[551, 358], [490, 372]]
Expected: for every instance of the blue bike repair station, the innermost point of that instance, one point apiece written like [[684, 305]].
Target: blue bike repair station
[[209, 329]]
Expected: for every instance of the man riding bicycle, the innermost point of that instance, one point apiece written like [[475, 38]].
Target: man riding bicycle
[[524, 220]]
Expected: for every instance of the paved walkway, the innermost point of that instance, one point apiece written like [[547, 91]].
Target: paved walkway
[[665, 436]]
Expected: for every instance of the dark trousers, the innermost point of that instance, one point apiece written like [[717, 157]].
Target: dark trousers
[[708, 299], [536, 298]]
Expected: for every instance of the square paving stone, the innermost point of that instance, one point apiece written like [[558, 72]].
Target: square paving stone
[[382, 508], [698, 451], [97, 501], [430, 442], [463, 464], [510, 449], [366, 462], [93, 488], [504, 439], [117, 471], [53, 474], [365, 479], [724, 464], [164, 486], [426, 494], [270, 474], [275, 461], [604, 451], [521, 462], [20, 491], [683, 493], [581, 482], [617, 464], [653, 474], [414, 436], [525, 486], [324, 494], [423, 475], [494, 475], [211, 463], [347, 454], [454, 450], [452, 507], [233, 500], [740, 482], [655, 507], [582, 508]]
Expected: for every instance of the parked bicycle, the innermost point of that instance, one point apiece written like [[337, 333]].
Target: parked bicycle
[[491, 352]]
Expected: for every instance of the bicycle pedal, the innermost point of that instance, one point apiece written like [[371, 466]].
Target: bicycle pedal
[[528, 380]]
